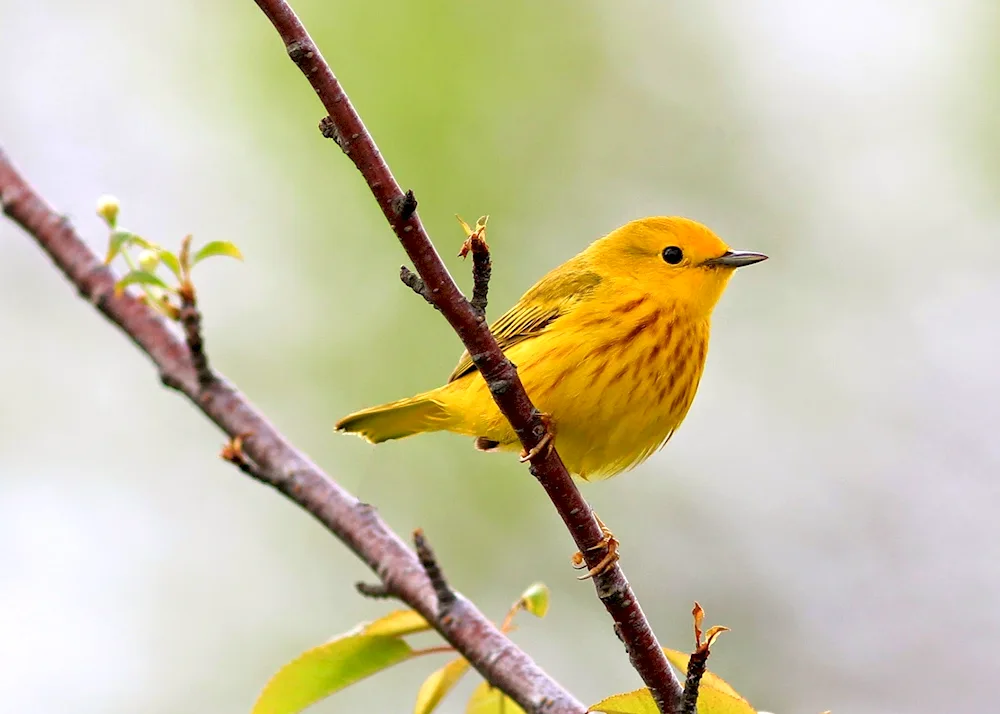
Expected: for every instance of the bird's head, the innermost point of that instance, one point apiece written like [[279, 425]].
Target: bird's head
[[676, 258]]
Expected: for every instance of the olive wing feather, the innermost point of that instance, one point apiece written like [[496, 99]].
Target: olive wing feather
[[552, 297]]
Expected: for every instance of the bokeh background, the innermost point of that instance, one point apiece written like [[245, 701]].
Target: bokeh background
[[833, 496]]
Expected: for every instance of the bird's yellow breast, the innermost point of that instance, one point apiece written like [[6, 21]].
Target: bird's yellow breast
[[616, 376]]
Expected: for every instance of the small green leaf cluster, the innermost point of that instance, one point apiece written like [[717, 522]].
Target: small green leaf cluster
[[144, 259], [375, 646]]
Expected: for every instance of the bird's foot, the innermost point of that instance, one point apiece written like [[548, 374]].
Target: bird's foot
[[608, 543], [546, 443]]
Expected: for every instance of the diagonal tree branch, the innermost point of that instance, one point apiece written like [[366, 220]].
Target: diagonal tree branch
[[344, 126], [276, 462]]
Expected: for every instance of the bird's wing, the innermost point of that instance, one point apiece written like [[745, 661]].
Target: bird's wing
[[552, 297]]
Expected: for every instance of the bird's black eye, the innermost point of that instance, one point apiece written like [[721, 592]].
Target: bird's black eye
[[673, 255]]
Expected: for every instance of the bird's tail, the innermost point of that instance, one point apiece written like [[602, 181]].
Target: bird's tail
[[396, 420]]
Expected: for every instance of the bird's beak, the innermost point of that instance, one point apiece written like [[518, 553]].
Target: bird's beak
[[735, 259]]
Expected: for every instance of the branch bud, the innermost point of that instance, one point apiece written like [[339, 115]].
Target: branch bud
[[149, 260], [107, 208]]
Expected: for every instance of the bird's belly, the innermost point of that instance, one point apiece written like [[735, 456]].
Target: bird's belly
[[612, 409], [602, 429], [612, 402]]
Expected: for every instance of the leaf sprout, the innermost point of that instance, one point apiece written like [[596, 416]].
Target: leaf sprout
[[145, 259]]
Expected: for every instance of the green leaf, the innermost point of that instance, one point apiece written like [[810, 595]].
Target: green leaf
[[536, 599], [715, 696], [216, 247], [487, 700], [638, 702], [143, 243], [323, 670], [396, 624], [170, 260], [437, 686], [139, 277], [119, 239]]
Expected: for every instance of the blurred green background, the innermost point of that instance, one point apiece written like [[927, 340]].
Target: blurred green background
[[832, 496]]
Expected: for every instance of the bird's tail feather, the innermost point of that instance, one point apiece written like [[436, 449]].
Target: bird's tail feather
[[397, 420]]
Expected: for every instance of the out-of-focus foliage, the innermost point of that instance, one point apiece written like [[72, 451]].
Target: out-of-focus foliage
[[487, 700], [326, 669], [339, 663], [536, 600], [142, 268], [436, 686], [715, 696], [369, 648]]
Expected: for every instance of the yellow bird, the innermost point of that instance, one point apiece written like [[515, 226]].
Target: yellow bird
[[610, 346]]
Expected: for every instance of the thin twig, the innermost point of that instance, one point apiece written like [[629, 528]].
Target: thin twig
[[695, 670], [482, 268], [445, 595], [415, 283], [698, 660], [190, 319], [376, 591], [278, 463], [345, 125]]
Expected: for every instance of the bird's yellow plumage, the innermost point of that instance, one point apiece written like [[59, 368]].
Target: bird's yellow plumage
[[610, 345]]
